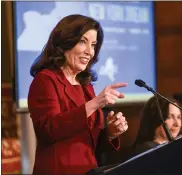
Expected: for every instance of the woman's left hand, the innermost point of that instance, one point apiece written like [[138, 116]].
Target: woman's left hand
[[116, 124]]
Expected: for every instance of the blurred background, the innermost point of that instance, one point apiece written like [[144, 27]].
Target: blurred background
[[143, 40]]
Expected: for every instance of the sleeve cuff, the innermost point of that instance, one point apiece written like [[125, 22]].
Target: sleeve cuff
[[115, 142]]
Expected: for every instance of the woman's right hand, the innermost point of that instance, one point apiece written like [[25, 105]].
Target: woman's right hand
[[109, 95]]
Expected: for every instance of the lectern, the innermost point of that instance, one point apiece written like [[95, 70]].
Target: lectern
[[165, 159]]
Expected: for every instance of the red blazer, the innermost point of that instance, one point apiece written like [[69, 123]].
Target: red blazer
[[65, 143]]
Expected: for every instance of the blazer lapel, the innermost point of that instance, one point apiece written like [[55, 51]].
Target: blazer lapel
[[90, 92], [70, 91]]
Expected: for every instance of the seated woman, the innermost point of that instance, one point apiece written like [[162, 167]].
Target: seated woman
[[151, 132]]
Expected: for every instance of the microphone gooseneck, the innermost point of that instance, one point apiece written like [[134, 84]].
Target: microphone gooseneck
[[141, 83]]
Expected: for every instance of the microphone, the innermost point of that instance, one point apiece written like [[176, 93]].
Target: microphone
[[141, 83]]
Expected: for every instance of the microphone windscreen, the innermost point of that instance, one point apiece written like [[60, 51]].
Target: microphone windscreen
[[140, 83]]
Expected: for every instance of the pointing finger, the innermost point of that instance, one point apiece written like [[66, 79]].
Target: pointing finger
[[118, 85]]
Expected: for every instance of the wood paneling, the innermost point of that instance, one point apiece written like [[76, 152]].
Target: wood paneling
[[7, 42], [168, 14], [169, 47]]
